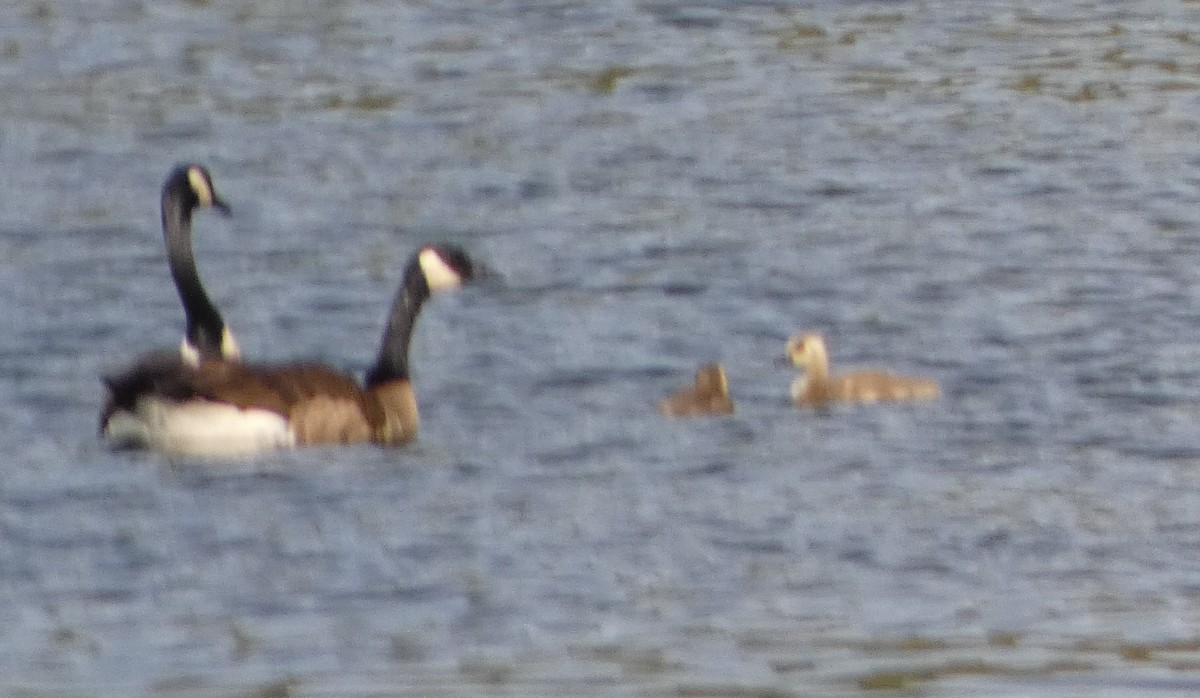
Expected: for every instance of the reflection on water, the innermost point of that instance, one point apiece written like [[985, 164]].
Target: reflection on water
[[999, 196]]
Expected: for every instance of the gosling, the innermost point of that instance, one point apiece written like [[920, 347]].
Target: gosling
[[816, 387], [710, 395]]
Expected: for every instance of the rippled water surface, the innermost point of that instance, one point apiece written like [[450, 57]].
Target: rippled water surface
[[1002, 195]]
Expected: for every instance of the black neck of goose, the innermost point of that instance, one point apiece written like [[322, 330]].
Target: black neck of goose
[[204, 324], [392, 362]]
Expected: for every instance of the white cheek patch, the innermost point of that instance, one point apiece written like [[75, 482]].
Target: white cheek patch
[[200, 186], [438, 275]]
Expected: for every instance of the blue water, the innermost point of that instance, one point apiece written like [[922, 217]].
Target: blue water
[[1000, 196]]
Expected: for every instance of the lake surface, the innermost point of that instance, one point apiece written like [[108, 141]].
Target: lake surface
[[1000, 195]]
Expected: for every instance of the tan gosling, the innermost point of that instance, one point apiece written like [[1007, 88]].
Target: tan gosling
[[816, 387], [710, 395]]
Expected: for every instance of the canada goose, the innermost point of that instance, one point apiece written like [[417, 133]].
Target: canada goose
[[710, 395], [232, 408], [206, 336], [816, 386]]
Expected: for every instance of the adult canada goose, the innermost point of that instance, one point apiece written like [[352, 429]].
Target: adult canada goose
[[206, 336], [710, 395], [816, 387], [232, 408]]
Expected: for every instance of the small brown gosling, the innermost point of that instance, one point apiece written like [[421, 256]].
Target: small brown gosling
[[710, 395]]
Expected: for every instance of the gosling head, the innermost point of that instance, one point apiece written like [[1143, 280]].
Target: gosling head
[[804, 347], [711, 380]]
